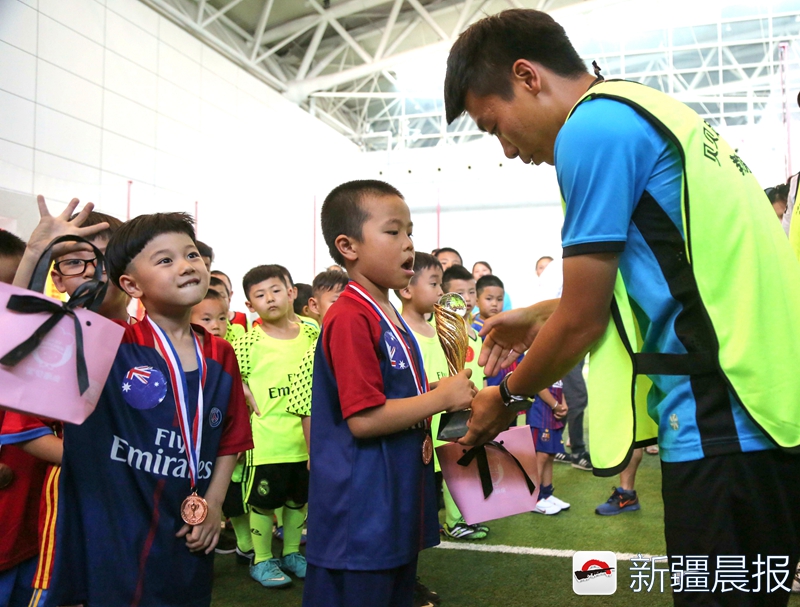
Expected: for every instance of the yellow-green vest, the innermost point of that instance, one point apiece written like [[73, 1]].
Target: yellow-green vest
[[736, 263]]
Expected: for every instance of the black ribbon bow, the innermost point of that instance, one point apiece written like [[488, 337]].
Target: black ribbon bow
[[479, 455], [30, 304]]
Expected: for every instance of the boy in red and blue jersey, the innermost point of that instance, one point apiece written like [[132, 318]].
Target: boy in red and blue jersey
[[128, 468], [372, 503]]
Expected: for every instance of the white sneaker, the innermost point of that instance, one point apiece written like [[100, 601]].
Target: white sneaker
[[560, 503], [545, 506]]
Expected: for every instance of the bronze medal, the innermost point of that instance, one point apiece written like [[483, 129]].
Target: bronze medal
[[6, 475], [427, 449], [194, 509]]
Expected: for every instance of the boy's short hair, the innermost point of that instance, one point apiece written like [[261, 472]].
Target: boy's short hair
[[212, 294], [94, 218], [482, 57], [449, 250], [288, 276], [455, 273], [329, 280], [217, 282], [11, 245], [221, 273], [262, 273], [490, 280], [132, 237], [343, 214], [205, 250], [303, 294], [422, 261]]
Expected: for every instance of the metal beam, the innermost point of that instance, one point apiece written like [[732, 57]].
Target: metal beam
[[428, 19], [311, 50], [220, 13], [261, 27], [325, 14], [388, 29]]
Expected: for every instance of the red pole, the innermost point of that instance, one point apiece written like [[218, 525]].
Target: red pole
[[314, 232], [196, 220], [128, 215]]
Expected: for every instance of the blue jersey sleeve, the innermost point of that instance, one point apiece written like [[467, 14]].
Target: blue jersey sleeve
[[604, 157]]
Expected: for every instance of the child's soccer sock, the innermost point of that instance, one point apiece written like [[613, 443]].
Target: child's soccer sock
[[451, 512], [241, 528], [279, 517], [293, 518], [545, 491], [261, 532]]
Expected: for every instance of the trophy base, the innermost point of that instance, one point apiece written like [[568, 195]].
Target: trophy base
[[453, 425]]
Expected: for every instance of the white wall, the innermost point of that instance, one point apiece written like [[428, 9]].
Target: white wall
[[94, 93]]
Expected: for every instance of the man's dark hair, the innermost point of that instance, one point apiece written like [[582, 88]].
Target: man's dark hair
[[94, 218], [303, 295], [482, 57], [329, 280], [343, 213], [455, 273], [449, 250], [205, 250], [218, 282], [262, 273], [490, 280], [132, 237], [212, 294], [11, 245]]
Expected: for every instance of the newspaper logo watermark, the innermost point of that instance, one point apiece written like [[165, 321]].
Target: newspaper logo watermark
[[594, 572]]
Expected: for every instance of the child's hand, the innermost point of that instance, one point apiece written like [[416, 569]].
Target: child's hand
[[250, 399], [50, 227], [560, 410], [457, 391], [205, 535]]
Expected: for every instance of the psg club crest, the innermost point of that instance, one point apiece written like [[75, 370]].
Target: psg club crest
[[144, 387], [396, 355], [214, 417]]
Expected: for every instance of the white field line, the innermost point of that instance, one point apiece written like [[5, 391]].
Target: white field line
[[503, 549]]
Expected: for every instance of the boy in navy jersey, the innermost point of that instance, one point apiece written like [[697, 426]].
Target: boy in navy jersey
[[372, 503], [159, 449]]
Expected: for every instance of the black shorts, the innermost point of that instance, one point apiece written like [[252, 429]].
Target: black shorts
[[743, 507], [233, 505], [273, 485]]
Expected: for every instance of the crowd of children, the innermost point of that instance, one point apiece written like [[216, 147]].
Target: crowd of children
[[212, 407]]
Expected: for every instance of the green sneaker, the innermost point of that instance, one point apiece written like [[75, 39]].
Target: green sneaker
[[462, 531], [295, 563], [269, 574]]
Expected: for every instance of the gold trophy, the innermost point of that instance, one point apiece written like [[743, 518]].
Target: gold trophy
[[451, 327]]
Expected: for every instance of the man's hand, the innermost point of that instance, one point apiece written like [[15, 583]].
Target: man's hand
[[511, 333], [205, 535], [489, 417]]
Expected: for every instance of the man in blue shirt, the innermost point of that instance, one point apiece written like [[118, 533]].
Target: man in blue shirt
[[622, 179]]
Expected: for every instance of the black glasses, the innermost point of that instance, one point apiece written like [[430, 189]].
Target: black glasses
[[74, 267]]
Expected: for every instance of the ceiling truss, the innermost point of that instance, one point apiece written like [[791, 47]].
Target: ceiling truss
[[338, 60]]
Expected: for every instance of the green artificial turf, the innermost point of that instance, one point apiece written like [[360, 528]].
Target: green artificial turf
[[476, 579]]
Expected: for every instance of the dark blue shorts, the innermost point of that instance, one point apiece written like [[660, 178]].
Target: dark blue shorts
[[15, 583], [547, 441], [343, 588]]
